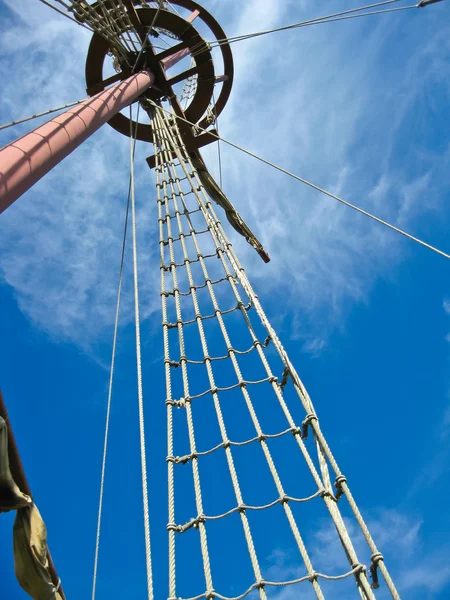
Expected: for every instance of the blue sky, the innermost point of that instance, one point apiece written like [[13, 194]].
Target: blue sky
[[358, 107]]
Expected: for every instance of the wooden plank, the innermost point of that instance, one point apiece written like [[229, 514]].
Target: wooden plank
[[99, 87]]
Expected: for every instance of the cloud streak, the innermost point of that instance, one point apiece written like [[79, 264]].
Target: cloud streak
[[305, 99], [416, 571]]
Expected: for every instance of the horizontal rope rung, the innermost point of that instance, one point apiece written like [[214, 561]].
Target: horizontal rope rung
[[188, 261], [174, 363], [194, 523], [177, 212], [183, 235], [211, 594], [241, 384], [182, 460], [179, 195], [170, 179], [199, 287], [240, 305]]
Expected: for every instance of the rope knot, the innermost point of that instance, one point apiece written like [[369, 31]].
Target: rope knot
[[324, 492], [284, 499], [172, 527], [340, 479], [307, 421], [262, 437], [374, 560], [181, 403], [359, 568], [284, 379], [259, 585], [312, 576], [196, 522], [376, 557], [296, 431], [171, 363]]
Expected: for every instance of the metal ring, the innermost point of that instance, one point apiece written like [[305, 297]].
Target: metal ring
[[186, 32]]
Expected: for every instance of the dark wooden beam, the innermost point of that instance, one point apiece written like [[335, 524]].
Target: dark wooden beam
[[99, 87], [200, 141]]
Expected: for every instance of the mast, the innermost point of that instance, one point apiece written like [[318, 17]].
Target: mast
[[29, 158]]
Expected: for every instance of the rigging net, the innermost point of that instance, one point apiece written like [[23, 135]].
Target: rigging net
[[192, 278]]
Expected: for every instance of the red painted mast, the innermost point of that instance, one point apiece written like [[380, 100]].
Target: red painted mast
[[24, 161]]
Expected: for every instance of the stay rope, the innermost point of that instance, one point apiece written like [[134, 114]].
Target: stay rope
[[316, 187], [42, 114], [130, 201], [148, 557], [332, 18]]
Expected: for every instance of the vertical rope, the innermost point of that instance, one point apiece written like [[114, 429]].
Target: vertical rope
[[170, 465], [110, 385], [190, 422], [108, 413], [139, 377]]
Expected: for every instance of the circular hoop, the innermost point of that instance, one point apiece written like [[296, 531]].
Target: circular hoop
[[204, 66]]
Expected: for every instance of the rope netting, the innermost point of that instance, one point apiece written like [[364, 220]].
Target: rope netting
[[208, 308]]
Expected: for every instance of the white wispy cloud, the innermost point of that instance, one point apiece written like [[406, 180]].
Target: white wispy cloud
[[446, 306], [310, 109], [326, 102], [416, 571], [61, 242]]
